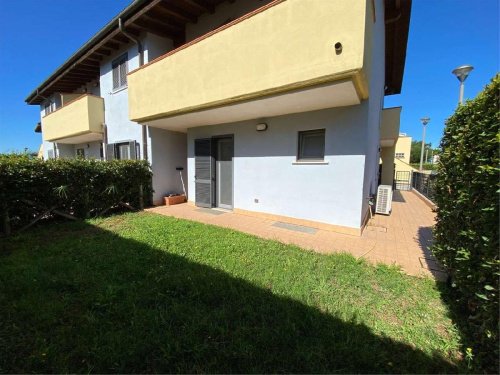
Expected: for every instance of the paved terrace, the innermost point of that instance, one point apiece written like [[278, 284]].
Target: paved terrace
[[402, 238]]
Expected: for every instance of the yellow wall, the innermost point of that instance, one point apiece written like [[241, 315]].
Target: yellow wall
[[287, 46], [82, 116], [389, 129], [403, 145]]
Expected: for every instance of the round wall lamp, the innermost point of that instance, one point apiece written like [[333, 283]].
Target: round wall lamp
[[261, 127]]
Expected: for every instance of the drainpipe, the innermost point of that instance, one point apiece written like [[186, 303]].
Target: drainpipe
[[133, 39], [140, 51]]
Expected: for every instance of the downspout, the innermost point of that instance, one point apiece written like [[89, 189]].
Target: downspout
[[133, 39], [140, 51]]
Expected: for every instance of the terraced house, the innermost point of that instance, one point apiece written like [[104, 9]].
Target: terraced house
[[272, 108]]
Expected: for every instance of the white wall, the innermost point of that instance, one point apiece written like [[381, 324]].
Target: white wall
[[264, 170], [120, 128], [223, 12], [92, 150], [375, 69], [168, 151], [65, 151], [155, 46]]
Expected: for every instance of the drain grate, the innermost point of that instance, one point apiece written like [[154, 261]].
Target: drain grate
[[296, 228], [210, 211]]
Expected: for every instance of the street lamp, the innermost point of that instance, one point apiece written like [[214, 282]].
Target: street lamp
[[462, 72], [425, 121]]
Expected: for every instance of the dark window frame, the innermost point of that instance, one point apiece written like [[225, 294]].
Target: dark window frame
[[300, 145]]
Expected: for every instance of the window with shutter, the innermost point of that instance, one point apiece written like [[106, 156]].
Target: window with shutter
[[122, 151], [120, 69]]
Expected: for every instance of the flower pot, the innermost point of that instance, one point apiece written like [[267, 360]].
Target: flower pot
[[176, 199]]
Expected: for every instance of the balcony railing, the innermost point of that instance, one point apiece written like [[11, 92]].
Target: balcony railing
[[79, 121]]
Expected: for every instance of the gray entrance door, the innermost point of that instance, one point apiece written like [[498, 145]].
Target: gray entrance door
[[224, 172], [204, 172]]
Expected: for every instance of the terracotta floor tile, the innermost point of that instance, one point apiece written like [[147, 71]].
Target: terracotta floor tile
[[400, 238]]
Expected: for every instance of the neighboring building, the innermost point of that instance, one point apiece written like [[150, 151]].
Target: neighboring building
[[403, 170], [273, 108]]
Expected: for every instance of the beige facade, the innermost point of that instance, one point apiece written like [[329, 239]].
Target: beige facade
[[301, 53], [402, 155], [80, 120]]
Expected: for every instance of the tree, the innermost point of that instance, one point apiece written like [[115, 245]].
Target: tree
[[416, 147]]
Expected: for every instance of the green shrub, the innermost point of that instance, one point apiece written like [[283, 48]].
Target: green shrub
[[82, 188], [466, 232], [425, 166]]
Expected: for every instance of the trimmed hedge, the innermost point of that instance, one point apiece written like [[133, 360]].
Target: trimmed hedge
[[467, 229], [80, 187]]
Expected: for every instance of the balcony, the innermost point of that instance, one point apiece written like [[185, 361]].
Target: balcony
[[79, 121], [389, 128], [279, 59]]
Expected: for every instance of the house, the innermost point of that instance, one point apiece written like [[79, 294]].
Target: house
[[271, 108]]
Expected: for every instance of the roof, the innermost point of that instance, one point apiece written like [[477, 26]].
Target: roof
[[169, 17], [397, 25], [162, 17]]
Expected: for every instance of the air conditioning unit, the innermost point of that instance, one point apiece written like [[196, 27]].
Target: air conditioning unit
[[384, 200]]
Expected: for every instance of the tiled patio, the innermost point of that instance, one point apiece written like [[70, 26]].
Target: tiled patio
[[402, 238]]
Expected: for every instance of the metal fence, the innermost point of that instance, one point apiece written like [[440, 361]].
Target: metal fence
[[424, 183]]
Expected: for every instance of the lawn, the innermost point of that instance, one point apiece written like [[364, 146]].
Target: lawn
[[145, 293]]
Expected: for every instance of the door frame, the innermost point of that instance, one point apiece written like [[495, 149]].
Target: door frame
[[215, 139]]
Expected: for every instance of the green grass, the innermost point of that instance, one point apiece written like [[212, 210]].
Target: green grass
[[145, 293]]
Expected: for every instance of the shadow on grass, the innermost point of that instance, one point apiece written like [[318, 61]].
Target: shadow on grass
[[96, 302]]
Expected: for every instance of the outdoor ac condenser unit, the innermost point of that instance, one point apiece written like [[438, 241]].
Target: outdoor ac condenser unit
[[384, 200]]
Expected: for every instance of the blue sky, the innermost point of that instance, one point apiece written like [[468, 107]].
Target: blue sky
[[35, 40]]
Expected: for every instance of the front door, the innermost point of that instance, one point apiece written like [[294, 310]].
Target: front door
[[203, 174], [224, 172]]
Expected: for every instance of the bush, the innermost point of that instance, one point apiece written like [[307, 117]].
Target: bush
[[466, 232], [425, 166], [82, 188]]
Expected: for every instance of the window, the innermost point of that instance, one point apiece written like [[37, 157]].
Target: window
[[122, 151], [48, 108], [311, 145], [400, 155], [120, 69], [80, 153]]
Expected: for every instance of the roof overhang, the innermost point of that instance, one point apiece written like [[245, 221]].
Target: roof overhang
[[397, 25], [161, 17], [169, 18]]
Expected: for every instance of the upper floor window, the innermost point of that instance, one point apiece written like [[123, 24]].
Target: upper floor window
[[120, 69], [400, 155], [48, 108], [311, 145]]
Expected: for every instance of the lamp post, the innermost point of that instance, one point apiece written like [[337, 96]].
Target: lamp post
[[462, 72], [425, 121]]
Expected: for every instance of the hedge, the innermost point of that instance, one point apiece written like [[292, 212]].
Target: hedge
[[82, 188], [467, 233]]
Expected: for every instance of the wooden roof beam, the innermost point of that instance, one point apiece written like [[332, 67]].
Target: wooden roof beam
[[202, 5], [169, 10], [154, 28]]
